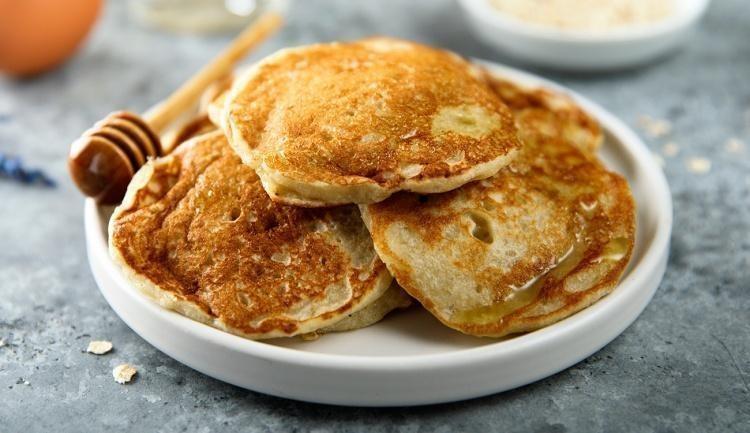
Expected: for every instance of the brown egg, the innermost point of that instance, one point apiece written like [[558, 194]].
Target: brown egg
[[37, 35]]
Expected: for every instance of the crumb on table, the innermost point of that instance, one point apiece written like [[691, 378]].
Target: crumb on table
[[99, 347], [124, 373]]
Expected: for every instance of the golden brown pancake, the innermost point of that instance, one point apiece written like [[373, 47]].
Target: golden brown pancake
[[545, 237], [198, 234], [547, 114], [340, 123], [393, 299]]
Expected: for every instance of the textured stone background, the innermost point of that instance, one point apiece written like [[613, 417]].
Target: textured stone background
[[683, 366]]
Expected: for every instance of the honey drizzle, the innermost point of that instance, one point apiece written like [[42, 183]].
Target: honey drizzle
[[527, 293], [614, 250]]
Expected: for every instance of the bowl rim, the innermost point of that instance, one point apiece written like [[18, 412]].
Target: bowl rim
[[626, 291], [687, 12]]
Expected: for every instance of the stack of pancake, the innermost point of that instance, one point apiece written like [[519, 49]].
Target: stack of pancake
[[343, 181]]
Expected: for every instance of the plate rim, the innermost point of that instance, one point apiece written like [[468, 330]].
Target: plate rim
[[653, 257]]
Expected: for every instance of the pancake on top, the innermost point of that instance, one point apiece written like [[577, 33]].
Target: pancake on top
[[339, 123]]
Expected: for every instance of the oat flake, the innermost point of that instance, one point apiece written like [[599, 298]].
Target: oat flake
[[699, 165], [123, 373], [99, 347], [655, 127]]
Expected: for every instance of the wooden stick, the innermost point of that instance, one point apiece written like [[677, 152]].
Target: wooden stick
[[162, 114]]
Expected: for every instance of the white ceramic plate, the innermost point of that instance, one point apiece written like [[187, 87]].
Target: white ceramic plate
[[410, 358], [580, 50]]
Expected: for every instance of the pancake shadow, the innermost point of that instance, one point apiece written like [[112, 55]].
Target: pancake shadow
[[418, 324], [409, 332]]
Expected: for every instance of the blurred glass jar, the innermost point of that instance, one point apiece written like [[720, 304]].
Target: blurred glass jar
[[199, 16]]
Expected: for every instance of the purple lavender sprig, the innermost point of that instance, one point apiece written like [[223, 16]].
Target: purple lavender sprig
[[11, 167]]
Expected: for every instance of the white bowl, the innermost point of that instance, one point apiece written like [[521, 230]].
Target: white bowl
[[580, 50], [410, 358]]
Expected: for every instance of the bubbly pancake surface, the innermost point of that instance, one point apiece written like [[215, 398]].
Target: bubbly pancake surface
[[354, 122], [545, 237], [197, 233]]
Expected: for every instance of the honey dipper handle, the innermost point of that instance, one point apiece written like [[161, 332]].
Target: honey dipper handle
[[162, 114]]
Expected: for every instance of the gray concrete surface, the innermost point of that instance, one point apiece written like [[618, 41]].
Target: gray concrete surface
[[683, 366]]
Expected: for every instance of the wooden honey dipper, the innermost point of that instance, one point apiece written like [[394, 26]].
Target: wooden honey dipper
[[104, 159]]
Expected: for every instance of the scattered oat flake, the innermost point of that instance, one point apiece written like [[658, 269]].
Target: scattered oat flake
[[123, 373], [99, 347], [670, 149], [655, 127], [734, 145], [699, 165]]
